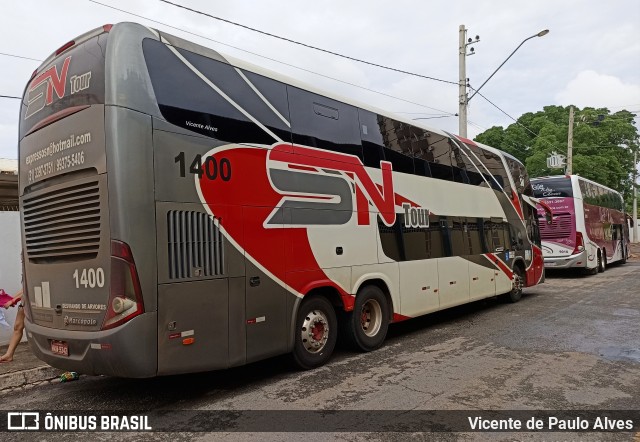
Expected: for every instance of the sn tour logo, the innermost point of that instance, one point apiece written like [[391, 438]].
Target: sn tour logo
[[51, 83], [42, 88]]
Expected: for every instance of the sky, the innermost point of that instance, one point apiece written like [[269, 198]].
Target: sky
[[590, 57]]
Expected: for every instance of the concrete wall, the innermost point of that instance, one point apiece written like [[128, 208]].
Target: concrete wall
[[10, 266]]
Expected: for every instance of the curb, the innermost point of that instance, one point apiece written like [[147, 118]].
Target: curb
[[21, 378]]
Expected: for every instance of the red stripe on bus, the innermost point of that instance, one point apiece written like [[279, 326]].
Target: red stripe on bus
[[500, 264]]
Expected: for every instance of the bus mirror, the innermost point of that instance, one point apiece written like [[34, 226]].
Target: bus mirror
[[549, 217]]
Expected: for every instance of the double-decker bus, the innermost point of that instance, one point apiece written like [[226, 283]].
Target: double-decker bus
[[185, 211], [589, 229]]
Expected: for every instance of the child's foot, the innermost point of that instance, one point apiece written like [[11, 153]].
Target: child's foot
[[6, 358]]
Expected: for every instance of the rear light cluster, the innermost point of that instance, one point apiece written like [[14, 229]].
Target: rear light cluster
[[579, 243], [125, 296]]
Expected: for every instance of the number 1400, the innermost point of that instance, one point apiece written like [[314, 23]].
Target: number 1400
[[89, 278]]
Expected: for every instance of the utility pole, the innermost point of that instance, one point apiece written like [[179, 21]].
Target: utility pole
[[462, 82], [570, 143], [635, 197]]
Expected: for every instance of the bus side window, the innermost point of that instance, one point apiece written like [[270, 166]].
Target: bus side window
[[383, 139], [494, 165], [495, 234], [458, 165], [321, 122], [396, 138], [435, 241], [440, 158], [473, 236], [195, 106], [422, 152], [459, 241]]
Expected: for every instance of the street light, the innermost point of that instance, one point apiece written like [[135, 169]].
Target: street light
[[464, 100]]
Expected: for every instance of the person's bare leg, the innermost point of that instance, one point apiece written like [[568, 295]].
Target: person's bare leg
[[18, 329]]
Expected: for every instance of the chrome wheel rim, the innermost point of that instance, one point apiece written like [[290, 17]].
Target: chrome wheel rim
[[517, 283], [315, 331], [371, 318]]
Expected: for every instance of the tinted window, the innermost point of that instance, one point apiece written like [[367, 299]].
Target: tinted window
[[473, 235], [402, 243], [440, 158], [321, 122], [497, 174], [386, 139], [520, 176], [188, 101], [459, 240], [597, 195], [552, 188], [496, 235]]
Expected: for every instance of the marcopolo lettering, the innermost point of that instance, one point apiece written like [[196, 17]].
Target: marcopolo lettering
[[415, 216]]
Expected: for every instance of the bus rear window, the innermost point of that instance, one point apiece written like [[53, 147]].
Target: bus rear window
[[552, 188]]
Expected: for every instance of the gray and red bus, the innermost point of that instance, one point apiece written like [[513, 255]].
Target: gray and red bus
[[185, 211]]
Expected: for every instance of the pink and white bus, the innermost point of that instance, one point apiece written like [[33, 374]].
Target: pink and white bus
[[588, 230]]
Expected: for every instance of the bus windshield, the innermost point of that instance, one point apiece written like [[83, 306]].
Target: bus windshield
[[553, 188]]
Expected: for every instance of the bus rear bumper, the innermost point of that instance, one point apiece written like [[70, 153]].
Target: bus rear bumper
[[130, 350], [565, 262]]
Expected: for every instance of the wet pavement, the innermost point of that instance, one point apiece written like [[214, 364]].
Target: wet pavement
[[572, 343]]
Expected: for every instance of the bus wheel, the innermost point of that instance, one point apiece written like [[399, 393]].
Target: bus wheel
[[518, 283], [316, 333], [602, 261], [366, 326]]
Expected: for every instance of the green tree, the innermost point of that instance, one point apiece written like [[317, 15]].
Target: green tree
[[603, 143]]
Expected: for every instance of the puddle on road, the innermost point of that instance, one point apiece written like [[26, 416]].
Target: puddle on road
[[620, 354]]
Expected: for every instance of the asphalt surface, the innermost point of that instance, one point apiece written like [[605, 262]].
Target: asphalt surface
[[572, 343]]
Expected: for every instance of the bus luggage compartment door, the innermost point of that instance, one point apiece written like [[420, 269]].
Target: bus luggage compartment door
[[193, 326]]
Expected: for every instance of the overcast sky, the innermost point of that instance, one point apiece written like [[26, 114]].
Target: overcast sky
[[591, 57]]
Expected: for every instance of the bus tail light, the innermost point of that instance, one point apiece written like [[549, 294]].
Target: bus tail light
[[579, 243], [64, 47], [125, 297]]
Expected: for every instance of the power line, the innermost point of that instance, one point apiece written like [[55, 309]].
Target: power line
[[273, 59], [19, 56], [516, 121], [9, 96], [307, 45]]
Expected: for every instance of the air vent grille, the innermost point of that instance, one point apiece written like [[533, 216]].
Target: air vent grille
[[562, 227], [63, 224], [195, 245]]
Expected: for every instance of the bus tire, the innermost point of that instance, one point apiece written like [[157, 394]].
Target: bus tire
[[602, 260], [518, 283], [366, 326], [316, 333]]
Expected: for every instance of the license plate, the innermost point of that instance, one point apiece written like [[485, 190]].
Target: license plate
[[60, 348]]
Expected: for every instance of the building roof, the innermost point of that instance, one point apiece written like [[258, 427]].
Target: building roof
[[8, 184]]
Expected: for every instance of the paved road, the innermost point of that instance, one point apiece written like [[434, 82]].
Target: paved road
[[572, 343]]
